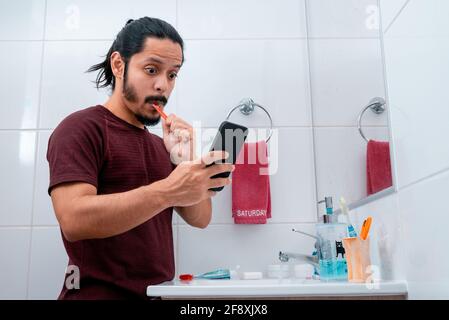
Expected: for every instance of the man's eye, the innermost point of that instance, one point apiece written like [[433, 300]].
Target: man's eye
[[151, 70], [173, 75]]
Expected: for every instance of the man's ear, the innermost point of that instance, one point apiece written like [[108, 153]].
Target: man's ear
[[117, 65]]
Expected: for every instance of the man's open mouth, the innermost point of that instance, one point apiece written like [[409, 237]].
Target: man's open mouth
[[159, 103]]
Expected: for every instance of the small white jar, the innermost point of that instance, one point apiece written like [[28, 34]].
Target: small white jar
[[304, 271], [278, 271]]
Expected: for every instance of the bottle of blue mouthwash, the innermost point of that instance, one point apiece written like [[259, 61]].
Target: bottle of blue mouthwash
[[331, 256]]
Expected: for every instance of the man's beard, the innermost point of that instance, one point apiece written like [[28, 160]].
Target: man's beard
[[130, 95]]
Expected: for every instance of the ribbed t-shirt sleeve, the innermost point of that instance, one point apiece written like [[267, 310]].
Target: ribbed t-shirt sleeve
[[75, 152]]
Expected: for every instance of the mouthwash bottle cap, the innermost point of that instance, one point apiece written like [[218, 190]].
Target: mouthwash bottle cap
[[329, 209]]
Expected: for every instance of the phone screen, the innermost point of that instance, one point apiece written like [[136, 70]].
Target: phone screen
[[230, 138]]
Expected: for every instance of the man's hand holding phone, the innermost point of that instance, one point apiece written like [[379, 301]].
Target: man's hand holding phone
[[190, 182], [230, 137]]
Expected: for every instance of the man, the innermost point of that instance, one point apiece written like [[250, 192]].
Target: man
[[114, 185]]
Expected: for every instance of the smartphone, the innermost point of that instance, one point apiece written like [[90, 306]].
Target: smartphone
[[230, 138]]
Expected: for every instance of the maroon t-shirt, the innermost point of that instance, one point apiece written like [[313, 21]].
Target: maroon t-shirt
[[95, 146]]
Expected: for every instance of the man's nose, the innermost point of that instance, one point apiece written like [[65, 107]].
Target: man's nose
[[161, 84]]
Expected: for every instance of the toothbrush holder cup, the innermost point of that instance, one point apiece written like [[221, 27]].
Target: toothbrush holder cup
[[358, 258]]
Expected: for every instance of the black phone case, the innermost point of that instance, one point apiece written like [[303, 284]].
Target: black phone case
[[219, 143]]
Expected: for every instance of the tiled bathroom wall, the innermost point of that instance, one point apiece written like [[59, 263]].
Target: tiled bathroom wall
[[287, 55], [416, 49]]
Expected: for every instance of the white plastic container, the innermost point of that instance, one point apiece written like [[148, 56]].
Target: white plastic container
[[246, 275], [278, 271], [304, 271], [252, 275]]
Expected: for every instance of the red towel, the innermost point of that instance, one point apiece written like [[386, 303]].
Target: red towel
[[251, 198], [378, 166]]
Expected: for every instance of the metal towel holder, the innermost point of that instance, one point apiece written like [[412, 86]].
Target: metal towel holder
[[246, 107], [377, 105]]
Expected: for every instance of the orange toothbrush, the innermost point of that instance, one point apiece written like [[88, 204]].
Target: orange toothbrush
[[158, 109], [365, 228]]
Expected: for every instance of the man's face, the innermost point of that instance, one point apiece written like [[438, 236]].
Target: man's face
[[150, 78]]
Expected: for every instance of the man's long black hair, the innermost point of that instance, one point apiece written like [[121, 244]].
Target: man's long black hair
[[131, 40]]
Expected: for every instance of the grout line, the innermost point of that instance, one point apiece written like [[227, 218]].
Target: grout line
[[244, 38], [43, 226], [283, 38], [212, 127], [184, 224], [206, 39], [22, 40], [387, 99], [424, 179], [177, 14], [56, 40], [36, 151], [20, 227], [79, 40], [28, 129], [396, 16], [177, 105], [311, 111], [303, 127], [344, 38]]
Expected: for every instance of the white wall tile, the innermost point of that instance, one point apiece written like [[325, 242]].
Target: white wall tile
[[43, 213], [253, 247], [156, 131], [293, 186], [346, 74], [83, 19], [274, 73], [418, 103], [175, 243], [343, 18], [19, 89], [17, 170], [427, 290], [22, 20], [421, 18], [341, 161], [66, 87], [390, 10], [241, 19], [78, 91], [14, 253], [47, 265], [424, 212]]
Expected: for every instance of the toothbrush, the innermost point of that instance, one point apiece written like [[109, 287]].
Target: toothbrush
[[216, 274], [159, 110], [365, 228], [345, 211]]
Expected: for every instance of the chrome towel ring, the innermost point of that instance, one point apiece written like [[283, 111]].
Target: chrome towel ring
[[246, 107], [377, 105]]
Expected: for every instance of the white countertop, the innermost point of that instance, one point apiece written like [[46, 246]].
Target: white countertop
[[273, 288]]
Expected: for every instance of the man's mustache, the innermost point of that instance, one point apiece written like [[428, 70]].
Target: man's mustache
[[160, 100]]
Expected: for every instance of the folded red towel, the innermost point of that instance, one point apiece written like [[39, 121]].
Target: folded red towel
[[378, 166], [251, 198]]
